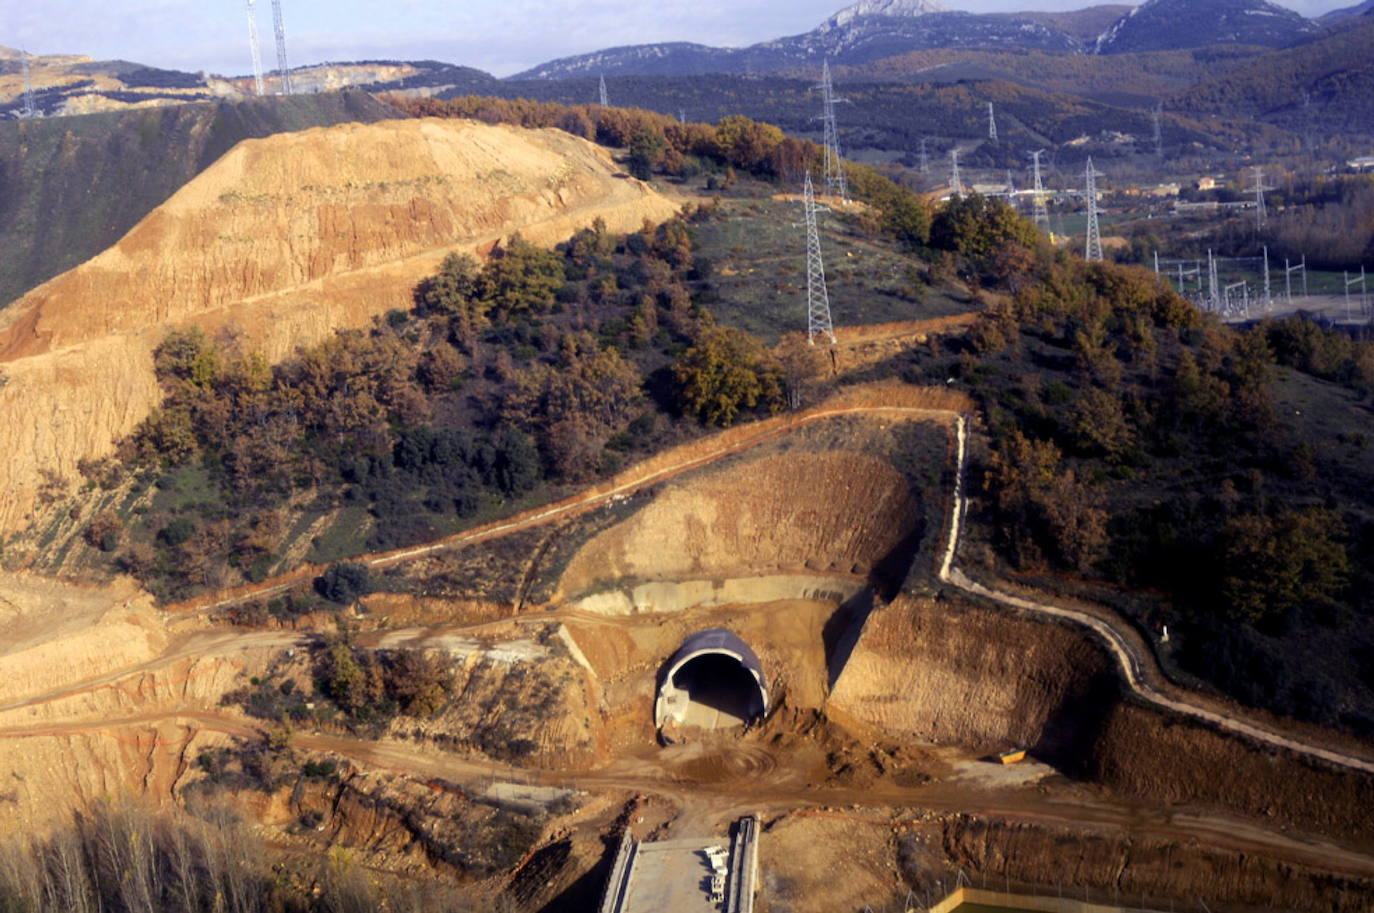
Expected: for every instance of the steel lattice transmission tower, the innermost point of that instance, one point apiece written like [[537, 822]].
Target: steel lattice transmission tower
[[1261, 214], [29, 110], [835, 182], [1092, 249], [992, 124], [817, 300], [1039, 213], [955, 185], [602, 96], [253, 46], [283, 70], [924, 158]]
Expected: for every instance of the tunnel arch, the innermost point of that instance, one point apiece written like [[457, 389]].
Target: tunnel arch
[[713, 681]]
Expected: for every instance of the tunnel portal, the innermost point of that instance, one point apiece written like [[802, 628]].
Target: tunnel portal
[[713, 681]]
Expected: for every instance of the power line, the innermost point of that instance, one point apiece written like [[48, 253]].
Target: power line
[[253, 45], [1261, 215], [817, 300], [283, 70]]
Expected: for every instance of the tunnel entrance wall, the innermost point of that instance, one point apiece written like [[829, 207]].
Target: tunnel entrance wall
[[675, 692]]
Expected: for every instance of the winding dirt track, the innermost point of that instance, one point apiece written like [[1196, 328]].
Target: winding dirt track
[[1138, 667]]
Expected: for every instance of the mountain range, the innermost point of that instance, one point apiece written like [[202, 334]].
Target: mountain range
[[871, 30]]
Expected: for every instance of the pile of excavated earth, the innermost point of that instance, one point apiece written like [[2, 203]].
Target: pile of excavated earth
[[821, 541], [279, 243]]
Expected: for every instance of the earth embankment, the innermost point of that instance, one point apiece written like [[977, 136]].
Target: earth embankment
[[280, 242], [939, 671]]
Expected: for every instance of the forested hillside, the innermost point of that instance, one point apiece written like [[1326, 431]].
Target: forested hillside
[[1212, 479], [1335, 71]]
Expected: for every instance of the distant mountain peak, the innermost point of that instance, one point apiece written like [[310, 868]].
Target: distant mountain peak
[[1170, 24], [883, 8]]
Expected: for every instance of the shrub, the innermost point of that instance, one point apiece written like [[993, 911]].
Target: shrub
[[344, 582]]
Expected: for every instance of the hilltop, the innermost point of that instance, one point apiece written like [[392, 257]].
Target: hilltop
[[279, 242], [74, 185]]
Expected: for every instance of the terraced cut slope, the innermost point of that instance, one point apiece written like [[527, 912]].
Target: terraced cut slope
[[280, 242]]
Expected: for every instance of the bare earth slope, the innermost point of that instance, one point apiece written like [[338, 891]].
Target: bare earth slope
[[281, 241]]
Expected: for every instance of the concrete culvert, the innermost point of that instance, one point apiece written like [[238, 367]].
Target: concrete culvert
[[713, 681]]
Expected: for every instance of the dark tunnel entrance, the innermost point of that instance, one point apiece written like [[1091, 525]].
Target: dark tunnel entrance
[[714, 681]]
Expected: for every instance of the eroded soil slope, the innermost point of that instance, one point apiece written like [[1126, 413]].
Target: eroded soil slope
[[833, 513], [280, 242]]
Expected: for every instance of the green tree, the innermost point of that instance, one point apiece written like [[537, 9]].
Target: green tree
[[646, 149], [1270, 565], [726, 370], [344, 582], [977, 228], [521, 279], [1099, 424]]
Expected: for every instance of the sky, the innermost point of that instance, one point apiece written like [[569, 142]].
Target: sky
[[501, 37]]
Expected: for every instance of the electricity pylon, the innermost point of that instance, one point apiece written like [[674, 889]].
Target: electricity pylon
[[992, 124], [835, 182], [1092, 249], [30, 110], [253, 45], [817, 300], [955, 185], [1261, 215], [1159, 133], [1039, 213], [283, 70], [924, 158], [604, 98]]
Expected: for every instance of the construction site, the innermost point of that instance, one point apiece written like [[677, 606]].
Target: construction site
[[722, 646], [771, 667]]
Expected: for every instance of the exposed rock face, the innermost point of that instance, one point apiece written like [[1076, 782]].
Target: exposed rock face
[[280, 242]]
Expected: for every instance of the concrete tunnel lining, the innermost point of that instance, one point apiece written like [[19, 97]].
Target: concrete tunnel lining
[[680, 694]]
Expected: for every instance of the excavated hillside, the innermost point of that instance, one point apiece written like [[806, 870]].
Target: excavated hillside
[[952, 673], [755, 519], [74, 185], [280, 242]]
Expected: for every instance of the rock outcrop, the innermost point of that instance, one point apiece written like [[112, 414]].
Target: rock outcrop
[[280, 242]]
